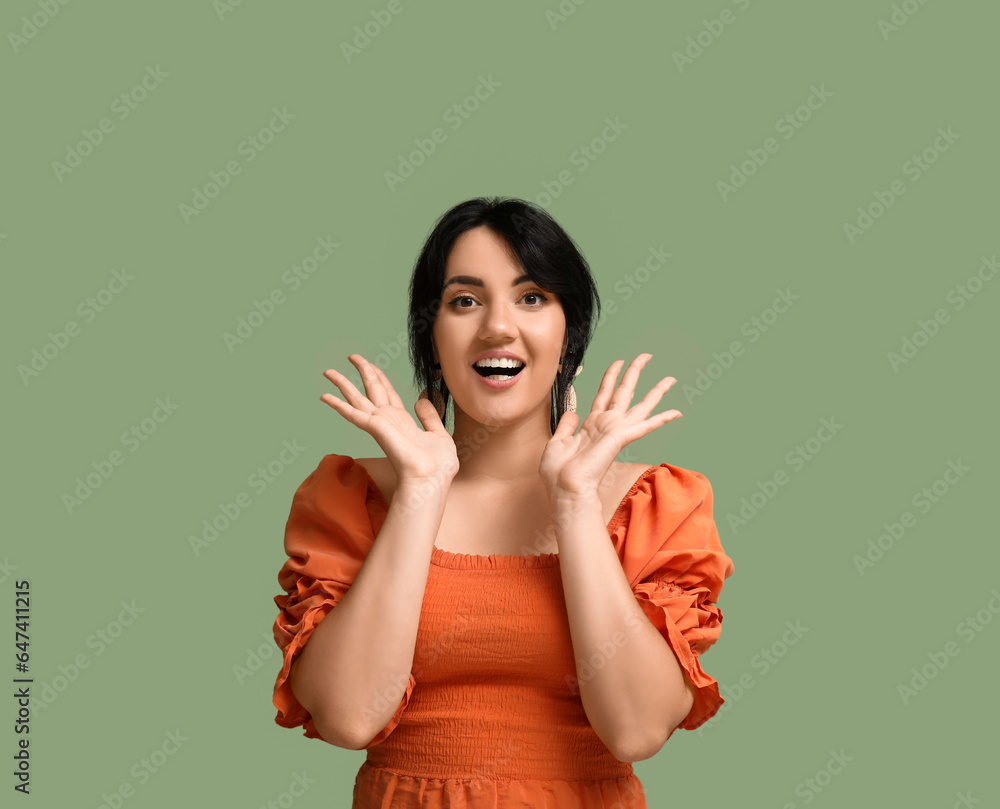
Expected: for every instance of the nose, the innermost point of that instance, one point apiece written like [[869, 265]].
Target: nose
[[498, 322]]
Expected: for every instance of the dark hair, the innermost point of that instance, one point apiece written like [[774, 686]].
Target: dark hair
[[545, 251]]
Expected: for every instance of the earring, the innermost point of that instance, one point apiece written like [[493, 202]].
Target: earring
[[435, 395], [569, 397]]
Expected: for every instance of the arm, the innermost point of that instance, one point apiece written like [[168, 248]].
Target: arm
[[354, 669], [637, 693]]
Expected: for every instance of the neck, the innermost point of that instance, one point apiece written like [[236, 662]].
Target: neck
[[508, 450]]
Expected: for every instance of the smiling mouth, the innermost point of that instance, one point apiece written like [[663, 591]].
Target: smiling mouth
[[498, 373]]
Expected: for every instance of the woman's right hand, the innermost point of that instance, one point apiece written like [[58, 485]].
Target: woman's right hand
[[415, 454]]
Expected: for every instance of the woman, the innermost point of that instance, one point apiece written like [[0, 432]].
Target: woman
[[518, 616]]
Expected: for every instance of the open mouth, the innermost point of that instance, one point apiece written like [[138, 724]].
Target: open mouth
[[498, 373]]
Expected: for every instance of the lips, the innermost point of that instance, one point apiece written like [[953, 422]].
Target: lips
[[487, 372], [502, 381]]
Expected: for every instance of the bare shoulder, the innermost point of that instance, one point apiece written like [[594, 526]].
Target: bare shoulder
[[380, 471], [628, 471], [621, 476]]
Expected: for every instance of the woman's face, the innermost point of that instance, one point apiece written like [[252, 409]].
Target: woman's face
[[489, 305]]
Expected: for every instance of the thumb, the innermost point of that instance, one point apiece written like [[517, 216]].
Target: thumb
[[567, 425], [428, 415]]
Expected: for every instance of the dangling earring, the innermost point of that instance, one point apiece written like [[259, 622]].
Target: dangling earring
[[569, 397], [435, 395]]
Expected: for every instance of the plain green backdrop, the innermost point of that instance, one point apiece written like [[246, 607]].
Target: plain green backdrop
[[838, 159]]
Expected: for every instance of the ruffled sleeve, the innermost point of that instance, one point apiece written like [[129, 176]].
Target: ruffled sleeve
[[334, 519], [669, 545]]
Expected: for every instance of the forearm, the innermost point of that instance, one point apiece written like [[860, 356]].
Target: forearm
[[354, 669], [631, 685]]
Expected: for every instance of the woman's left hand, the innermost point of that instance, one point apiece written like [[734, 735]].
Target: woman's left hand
[[574, 463]]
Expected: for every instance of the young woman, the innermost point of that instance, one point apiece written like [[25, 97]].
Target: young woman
[[503, 615]]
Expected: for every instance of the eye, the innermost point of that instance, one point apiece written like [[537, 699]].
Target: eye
[[456, 301]]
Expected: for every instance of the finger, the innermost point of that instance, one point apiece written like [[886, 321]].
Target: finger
[[394, 398], [644, 428], [353, 415], [567, 425], [622, 397], [356, 399], [428, 415], [373, 385], [648, 403], [606, 387]]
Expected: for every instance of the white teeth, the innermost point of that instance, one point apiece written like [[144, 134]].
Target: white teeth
[[496, 362]]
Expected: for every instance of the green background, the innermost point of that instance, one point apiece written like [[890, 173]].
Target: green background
[[689, 125]]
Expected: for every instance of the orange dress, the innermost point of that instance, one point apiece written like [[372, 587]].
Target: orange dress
[[491, 716]]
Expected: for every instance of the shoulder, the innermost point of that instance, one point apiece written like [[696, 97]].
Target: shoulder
[[667, 478], [658, 499], [336, 482], [630, 468], [381, 473], [667, 527], [662, 477]]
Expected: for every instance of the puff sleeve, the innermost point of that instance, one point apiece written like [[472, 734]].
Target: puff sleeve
[[335, 516], [671, 554]]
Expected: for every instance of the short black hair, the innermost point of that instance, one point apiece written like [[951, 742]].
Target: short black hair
[[543, 249]]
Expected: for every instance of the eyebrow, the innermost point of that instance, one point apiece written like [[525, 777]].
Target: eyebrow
[[471, 280]]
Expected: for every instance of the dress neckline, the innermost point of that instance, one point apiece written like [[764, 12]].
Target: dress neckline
[[454, 559]]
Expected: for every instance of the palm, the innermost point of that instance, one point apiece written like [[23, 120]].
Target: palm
[[414, 452], [576, 462]]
